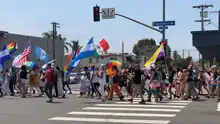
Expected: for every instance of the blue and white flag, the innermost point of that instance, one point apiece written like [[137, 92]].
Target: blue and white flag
[[42, 54], [86, 52], [4, 56]]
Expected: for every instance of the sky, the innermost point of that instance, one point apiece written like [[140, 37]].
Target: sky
[[32, 17]]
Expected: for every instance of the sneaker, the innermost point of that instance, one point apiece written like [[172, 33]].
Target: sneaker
[[50, 100], [142, 102], [121, 98], [131, 100]]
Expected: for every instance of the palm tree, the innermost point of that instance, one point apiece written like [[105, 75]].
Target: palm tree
[[74, 45], [49, 36]]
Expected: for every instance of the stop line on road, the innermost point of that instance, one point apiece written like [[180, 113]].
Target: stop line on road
[[218, 107], [125, 112]]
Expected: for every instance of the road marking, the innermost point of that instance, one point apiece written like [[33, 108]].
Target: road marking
[[132, 109], [136, 121], [166, 103], [122, 114], [132, 105], [74, 92], [218, 109], [175, 101]]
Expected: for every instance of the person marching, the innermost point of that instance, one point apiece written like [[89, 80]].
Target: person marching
[[102, 82]]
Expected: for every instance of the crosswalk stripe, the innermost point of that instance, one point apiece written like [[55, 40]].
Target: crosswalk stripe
[[131, 121], [74, 92], [132, 109], [122, 114], [175, 101], [132, 105], [166, 103], [218, 108]]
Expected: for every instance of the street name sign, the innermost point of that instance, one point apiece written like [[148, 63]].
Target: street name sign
[[164, 23], [163, 27], [108, 13]]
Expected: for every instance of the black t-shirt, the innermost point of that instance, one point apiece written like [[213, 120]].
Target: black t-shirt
[[13, 78], [23, 74], [137, 76], [171, 76]]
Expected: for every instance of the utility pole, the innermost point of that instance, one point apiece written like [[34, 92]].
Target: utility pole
[[183, 54], [202, 8], [55, 25], [122, 56], [219, 20]]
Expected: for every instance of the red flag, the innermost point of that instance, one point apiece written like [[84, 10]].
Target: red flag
[[104, 45]]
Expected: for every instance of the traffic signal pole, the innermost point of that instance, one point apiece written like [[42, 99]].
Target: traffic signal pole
[[141, 23], [164, 19]]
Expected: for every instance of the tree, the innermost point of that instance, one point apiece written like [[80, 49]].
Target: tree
[[176, 55], [74, 45], [141, 43], [49, 36]]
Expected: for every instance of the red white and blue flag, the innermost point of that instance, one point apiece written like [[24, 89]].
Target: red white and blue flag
[[22, 58]]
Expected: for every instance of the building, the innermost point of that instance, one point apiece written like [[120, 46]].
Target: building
[[22, 40], [207, 43]]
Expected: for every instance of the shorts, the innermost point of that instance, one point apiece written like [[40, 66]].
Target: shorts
[[154, 91], [24, 81]]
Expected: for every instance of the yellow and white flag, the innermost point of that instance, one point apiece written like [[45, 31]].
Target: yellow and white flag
[[158, 55]]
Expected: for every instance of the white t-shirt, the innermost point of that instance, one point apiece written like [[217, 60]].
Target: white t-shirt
[[94, 77], [103, 79]]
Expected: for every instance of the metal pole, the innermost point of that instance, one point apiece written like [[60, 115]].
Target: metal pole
[[55, 25], [219, 20], [183, 54], [202, 19], [138, 22], [164, 19], [122, 54], [53, 38]]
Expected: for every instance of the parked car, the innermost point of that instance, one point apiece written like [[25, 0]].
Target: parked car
[[74, 78]]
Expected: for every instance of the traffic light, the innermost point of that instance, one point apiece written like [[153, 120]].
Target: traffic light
[[96, 13]]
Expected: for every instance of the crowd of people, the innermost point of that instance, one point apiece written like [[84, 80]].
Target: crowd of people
[[184, 84], [26, 82]]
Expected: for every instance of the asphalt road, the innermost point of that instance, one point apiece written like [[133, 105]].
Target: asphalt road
[[73, 110]]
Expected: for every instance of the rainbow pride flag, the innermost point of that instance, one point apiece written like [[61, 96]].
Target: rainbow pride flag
[[70, 57], [12, 47]]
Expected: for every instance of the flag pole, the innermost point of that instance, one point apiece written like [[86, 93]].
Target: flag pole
[[165, 60]]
